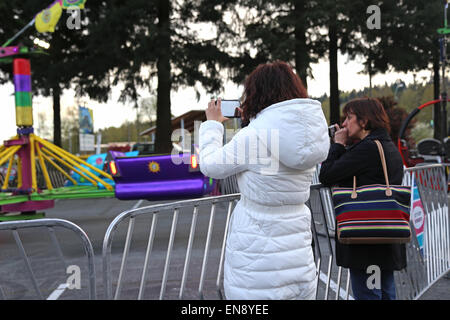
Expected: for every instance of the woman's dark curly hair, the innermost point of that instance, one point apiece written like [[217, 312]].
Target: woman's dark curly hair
[[369, 109], [268, 84]]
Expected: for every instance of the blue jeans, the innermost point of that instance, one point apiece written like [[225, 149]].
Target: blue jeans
[[361, 291]]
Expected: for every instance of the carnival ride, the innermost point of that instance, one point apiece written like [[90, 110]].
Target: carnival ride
[[150, 177], [26, 147], [429, 150]]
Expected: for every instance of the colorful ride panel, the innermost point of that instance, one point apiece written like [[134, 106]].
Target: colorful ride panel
[[158, 177]]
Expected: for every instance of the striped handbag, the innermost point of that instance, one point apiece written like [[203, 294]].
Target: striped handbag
[[372, 214]]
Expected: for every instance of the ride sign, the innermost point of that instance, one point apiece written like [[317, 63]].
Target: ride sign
[[417, 214]]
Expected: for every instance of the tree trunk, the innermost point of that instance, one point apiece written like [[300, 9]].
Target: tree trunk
[[437, 107], [163, 143], [138, 124], [301, 50], [334, 84], [57, 116]]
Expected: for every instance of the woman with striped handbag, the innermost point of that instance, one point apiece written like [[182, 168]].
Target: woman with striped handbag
[[359, 171]]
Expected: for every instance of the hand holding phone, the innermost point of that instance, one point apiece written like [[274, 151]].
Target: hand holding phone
[[231, 108], [213, 112]]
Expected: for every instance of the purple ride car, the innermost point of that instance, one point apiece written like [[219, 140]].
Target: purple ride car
[[157, 177]]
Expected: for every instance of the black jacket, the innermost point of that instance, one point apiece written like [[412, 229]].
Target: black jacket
[[363, 161]]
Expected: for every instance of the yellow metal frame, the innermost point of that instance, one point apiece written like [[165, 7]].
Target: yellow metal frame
[[8, 153], [43, 167], [51, 154], [71, 156], [74, 161], [33, 164], [19, 173], [47, 152], [8, 173], [59, 168]]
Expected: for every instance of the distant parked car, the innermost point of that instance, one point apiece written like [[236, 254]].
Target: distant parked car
[[120, 148], [144, 148]]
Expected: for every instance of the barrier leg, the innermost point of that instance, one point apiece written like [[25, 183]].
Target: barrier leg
[[205, 256], [55, 242], [2, 294], [126, 250], [169, 253], [189, 250], [222, 252], [27, 263], [151, 238]]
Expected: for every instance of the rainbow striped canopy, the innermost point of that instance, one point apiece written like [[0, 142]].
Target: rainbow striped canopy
[[73, 3]]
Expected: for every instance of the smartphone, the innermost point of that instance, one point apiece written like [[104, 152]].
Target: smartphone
[[331, 131], [229, 108]]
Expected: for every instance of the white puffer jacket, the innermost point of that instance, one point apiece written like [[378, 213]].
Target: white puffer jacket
[[268, 249]]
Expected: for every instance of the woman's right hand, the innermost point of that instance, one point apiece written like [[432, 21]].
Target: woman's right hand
[[341, 136], [214, 112]]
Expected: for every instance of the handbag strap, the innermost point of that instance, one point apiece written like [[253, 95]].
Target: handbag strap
[[386, 177]]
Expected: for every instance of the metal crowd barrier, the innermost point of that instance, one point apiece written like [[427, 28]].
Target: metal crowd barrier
[[176, 266], [229, 185], [421, 271], [333, 281], [425, 270], [49, 225], [208, 283], [330, 277]]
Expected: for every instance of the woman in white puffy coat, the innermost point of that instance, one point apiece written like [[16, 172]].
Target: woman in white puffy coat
[[268, 250]]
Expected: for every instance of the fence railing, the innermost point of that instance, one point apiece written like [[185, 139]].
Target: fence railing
[[147, 262], [330, 276], [174, 210], [43, 226], [333, 281], [427, 266]]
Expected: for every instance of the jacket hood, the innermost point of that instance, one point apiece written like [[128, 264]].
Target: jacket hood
[[294, 131]]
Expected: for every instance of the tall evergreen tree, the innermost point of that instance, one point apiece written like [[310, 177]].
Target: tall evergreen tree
[[264, 31], [407, 40], [151, 45]]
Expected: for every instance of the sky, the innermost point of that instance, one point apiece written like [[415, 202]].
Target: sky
[[114, 113]]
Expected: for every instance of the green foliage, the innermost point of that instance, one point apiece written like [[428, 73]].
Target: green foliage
[[421, 131], [126, 43], [152, 45], [125, 133]]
